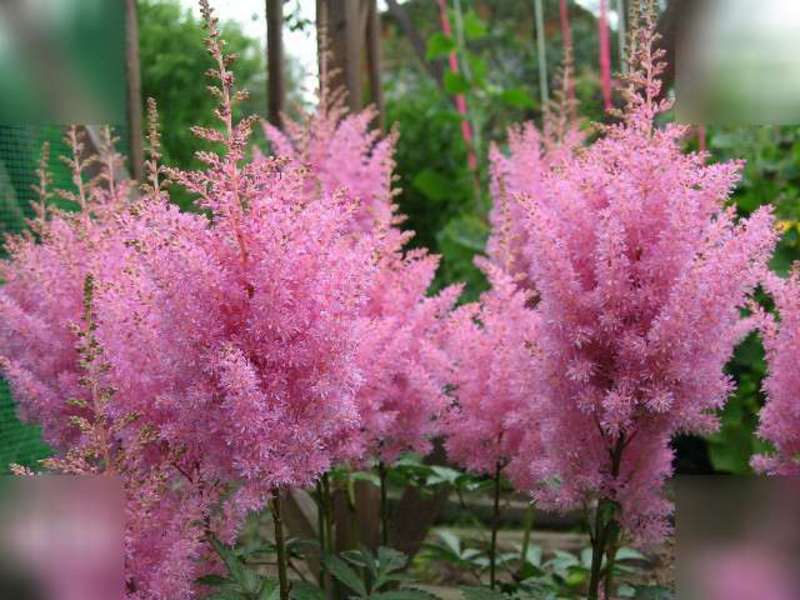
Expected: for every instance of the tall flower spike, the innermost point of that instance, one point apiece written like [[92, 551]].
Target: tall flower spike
[[400, 355], [640, 272], [780, 417]]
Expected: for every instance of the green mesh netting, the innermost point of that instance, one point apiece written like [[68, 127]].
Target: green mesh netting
[[20, 150]]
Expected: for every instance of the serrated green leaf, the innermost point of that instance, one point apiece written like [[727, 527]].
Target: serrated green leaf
[[455, 83], [345, 574], [474, 27], [270, 590], [235, 567], [435, 187], [451, 541], [626, 553], [443, 475], [439, 45], [302, 590], [654, 593], [517, 97], [482, 593], [404, 594], [213, 580], [390, 559]]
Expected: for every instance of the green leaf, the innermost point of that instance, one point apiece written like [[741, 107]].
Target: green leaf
[[390, 559], [455, 83], [517, 97], [654, 592], [302, 590], [213, 580], [626, 553], [404, 594], [451, 541], [235, 567], [435, 187], [534, 555], [439, 45], [345, 574], [474, 27], [270, 590], [443, 475], [482, 593]]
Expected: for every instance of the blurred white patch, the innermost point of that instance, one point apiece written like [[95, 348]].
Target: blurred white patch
[[737, 62]]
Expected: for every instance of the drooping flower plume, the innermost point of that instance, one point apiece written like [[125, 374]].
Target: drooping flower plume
[[640, 272]]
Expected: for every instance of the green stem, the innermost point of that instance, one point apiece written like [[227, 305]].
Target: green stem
[[280, 544], [611, 555], [384, 505], [321, 534], [326, 487], [495, 524], [606, 530], [527, 524]]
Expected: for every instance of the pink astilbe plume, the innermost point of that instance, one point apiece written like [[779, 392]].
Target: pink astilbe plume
[[232, 336], [41, 295], [640, 272], [519, 178], [343, 152], [238, 333], [780, 417], [400, 355], [491, 344]]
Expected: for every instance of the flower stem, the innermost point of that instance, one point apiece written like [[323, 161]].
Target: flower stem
[[606, 532], [384, 505], [280, 543], [321, 534], [526, 537], [495, 524]]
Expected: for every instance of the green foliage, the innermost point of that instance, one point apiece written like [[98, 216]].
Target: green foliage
[[19, 443], [242, 581], [173, 60], [562, 575], [374, 575]]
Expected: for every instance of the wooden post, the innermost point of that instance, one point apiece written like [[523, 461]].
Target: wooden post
[[374, 59], [134, 92], [344, 22], [275, 85]]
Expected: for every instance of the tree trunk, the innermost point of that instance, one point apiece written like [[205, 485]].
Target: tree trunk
[[134, 92], [275, 85]]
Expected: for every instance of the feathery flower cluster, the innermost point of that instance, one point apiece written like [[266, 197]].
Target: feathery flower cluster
[[62, 379], [253, 347], [400, 352], [492, 345], [780, 417], [520, 177], [640, 272]]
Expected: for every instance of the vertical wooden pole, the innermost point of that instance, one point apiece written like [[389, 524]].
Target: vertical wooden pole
[[275, 85], [344, 22], [544, 92], [374, 59], [134, 92], [605, 54], [623, 62]]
